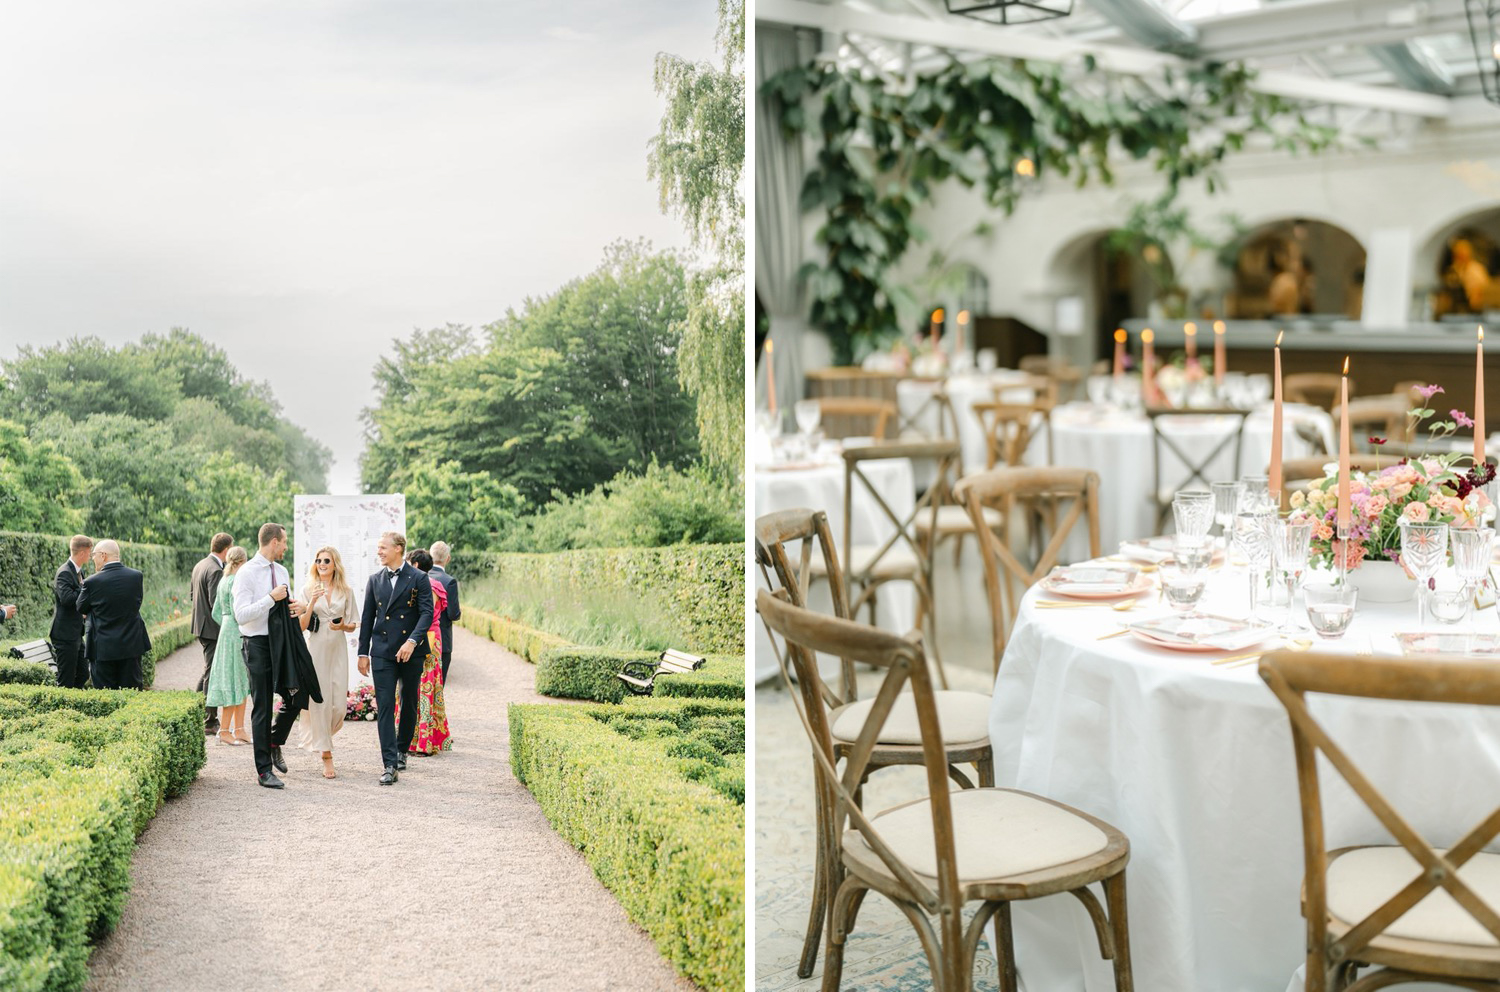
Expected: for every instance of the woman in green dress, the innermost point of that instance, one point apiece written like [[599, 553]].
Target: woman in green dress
[[229, 680]]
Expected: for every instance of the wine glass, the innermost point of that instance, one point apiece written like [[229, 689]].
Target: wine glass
[[1255, 492], [1252, 538], [1424, 548], [1291, 539], [809, 415], [1226, 503], [1471, 555]]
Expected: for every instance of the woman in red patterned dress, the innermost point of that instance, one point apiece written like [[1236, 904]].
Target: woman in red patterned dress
[[432, 733]]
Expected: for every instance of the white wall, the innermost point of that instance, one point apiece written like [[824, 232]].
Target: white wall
[[1037, 253]]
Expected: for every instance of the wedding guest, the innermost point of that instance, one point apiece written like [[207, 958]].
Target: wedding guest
[[329, 616], [392, 646], [229, 679], [7, 610], [117, 638], [258, 587], [202, 590], [66, 634], [440, 558], [432, 733]]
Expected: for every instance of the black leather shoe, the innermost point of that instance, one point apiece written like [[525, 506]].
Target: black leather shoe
[[270, 781], [390, 776], [401, 763], [210, 728], [277, 760]]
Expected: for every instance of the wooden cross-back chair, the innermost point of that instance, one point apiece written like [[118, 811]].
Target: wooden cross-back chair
[[849, 416], [936, 403], [933, 856], [963, 717], [1382, 416], [1320, 389], [906, 555], [1007, 431], [953, 521], [1377, 906], [999, 489], [1197, 468]]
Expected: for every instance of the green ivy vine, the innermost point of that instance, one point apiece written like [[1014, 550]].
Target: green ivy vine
[[885, 150]]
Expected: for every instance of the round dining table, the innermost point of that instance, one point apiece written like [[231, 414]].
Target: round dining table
[[1118, 445], [1193, 762], [820, 486]]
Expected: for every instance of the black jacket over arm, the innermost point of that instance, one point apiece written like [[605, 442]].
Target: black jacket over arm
[[67, 622], [293, 676]]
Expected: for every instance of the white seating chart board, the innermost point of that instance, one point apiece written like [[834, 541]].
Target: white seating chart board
[[353, 525]]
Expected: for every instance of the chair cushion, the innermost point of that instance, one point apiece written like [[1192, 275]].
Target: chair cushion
[[1359, 881], [898, 560], [997, 834], [955, 519], [963, 717]]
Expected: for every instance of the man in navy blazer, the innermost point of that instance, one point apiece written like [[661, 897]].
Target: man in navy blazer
[[392, 646], [117, 638]]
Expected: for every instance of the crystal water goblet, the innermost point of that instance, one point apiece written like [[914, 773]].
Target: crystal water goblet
[[1291, 541], [1252, 538], [1471, 548], [1424, 549], [1226, 504], [1193, 512]]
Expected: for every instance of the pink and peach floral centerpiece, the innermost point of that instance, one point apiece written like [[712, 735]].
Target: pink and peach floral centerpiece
[[1441, 487]]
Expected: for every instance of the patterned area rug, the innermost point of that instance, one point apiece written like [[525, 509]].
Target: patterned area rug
[[884, 951]]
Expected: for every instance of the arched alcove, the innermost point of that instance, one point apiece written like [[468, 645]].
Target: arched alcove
[[1470, 282], [1297, 266], [1115, 282]]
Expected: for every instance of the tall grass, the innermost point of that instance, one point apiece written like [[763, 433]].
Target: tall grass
[[598, 620]]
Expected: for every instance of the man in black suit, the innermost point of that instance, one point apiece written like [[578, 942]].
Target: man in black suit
[[202, 589], [393, 641], [7, 610], [67, 623], [111, 598], [441, 555]]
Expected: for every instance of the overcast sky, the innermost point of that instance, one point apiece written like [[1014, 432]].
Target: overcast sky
[[301, 182]]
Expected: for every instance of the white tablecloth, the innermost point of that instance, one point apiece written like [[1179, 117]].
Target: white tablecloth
[[913, 397], [1193, 763], [822, 488], [1118, 445]]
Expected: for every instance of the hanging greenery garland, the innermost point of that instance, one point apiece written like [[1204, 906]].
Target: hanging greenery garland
[[992, 124]]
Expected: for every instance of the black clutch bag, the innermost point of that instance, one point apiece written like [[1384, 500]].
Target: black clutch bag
[[314, 624]]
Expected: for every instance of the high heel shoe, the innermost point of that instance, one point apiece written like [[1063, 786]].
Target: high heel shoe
[[225, 737], [328, 771], [240, 736]]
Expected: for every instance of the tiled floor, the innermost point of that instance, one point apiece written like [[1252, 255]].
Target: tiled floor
[[884, 952]]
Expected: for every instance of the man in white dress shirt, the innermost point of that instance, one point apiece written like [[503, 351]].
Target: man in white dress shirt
[[261, 582]]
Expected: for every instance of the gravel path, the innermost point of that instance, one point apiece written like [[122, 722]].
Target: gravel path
[[451, 879]]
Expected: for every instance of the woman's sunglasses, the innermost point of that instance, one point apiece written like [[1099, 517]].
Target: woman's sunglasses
[[322, 561]]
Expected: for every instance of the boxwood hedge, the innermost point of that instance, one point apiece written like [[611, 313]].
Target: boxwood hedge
[[574, 672], [701, 586], [647, 792], [81, 774]]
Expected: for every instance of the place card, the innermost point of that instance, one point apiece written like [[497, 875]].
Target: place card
[[1449, 643]]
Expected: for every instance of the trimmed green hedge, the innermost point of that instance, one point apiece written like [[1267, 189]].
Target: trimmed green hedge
[[574, 672], [645, 792], [699, 587], [25, 673], [514, 636], [81, 774]]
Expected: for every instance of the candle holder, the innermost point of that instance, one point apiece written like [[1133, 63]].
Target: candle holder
[[1342, 559]]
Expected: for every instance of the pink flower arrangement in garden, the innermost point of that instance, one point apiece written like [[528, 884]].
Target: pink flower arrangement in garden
[[1431, 487], [360, 704]]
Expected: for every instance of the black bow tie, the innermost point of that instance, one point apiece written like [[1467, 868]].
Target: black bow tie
[[391, 573]]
